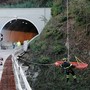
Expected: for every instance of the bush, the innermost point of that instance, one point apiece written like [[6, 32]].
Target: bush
[[64, 19], [58, 49], [44, 59], [57, 7]]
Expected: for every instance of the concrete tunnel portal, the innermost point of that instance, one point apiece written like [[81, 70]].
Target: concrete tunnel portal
[[18, 30]]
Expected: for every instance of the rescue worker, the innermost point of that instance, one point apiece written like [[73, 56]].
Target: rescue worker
[[67, 68], [18, 43]]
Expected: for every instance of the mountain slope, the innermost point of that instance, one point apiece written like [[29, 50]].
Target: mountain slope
[[50, 47], [25, 3]]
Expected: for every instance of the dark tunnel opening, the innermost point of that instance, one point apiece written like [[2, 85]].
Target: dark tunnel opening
[[19, 30]]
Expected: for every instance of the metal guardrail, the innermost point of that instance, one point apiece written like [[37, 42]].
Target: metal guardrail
[[16, 70], [20, 78], [21, 81]]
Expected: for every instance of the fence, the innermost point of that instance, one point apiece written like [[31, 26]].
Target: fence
[[21, 81]]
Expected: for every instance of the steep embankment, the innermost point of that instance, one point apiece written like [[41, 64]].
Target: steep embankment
[[50, 47]]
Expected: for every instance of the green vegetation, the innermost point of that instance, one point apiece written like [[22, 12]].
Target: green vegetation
[[26, 4], [58, 7], [50, 45], [81, 10]]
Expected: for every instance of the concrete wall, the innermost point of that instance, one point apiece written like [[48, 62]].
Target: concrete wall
[[37, 16]]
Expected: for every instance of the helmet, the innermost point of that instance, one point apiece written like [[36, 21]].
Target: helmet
[[64, 59]]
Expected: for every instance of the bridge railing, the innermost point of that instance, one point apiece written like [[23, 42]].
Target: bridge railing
[[21, 81], [26, 45]]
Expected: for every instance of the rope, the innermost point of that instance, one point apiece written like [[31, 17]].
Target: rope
[[78, 60], [39, 64], [42, 64], [68, 34]]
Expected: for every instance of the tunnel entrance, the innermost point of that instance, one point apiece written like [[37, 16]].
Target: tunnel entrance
[[18, 30]]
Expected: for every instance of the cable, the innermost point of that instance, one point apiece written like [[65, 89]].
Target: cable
[[43, 64], [37, 63], [67, 33]]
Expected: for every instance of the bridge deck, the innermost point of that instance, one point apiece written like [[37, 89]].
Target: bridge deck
[[7, 81]]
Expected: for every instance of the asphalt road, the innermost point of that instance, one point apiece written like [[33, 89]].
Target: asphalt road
[[4, 54]]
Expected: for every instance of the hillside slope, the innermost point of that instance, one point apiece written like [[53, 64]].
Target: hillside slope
[[25, 3], [50, 47]]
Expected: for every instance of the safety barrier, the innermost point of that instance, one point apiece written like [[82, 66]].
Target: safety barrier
[[20, 78], [32, 39], [21, 81]]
